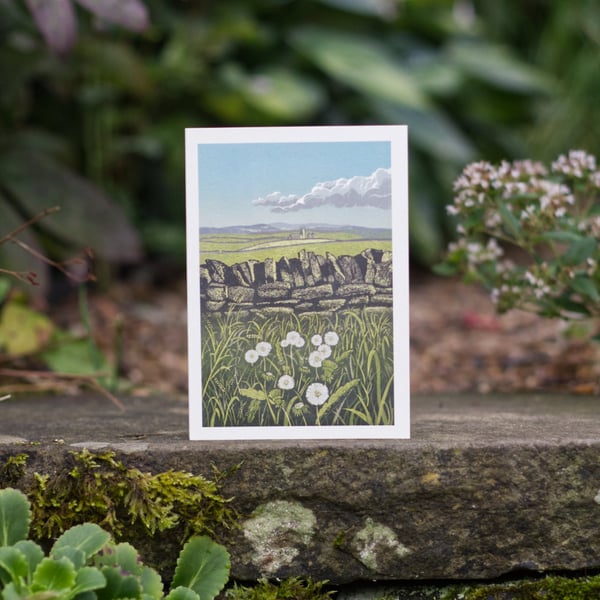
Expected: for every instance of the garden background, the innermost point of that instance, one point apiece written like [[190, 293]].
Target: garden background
[[93, 103]]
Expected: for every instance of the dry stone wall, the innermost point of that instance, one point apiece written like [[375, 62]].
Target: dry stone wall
[[309, 283]]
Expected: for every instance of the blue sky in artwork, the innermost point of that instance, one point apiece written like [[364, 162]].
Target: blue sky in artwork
[[241, 183]]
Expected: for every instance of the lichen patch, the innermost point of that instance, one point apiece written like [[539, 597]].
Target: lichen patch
[[278, 531], [374, 543]]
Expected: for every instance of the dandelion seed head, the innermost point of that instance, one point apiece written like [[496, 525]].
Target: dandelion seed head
[[317, 394], [331, 338], [324, 350], [251, 356], [315, 359], [286, 382], [316, 340], [263, 348]]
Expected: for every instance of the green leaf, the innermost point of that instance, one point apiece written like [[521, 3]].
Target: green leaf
[[359, 62], [88, 579], [253, 394], [75, 555], [118, 585], [13, 565], [566, 237], [497, 66], [182, 593], [585, 286], [152, 585], [203, 566], [121, 555], [54, 575], [88, 537], [15, 516], [33, 554], [580, 250], [339, 394], [430, 131], [87, 217]]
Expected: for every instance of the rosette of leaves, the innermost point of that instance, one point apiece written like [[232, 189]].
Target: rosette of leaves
[[84, 563]]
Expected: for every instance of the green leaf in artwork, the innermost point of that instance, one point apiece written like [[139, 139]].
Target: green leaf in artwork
[[253, 394]]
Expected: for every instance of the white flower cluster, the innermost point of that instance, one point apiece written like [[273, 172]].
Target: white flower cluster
[[551, 215], [316, 393]]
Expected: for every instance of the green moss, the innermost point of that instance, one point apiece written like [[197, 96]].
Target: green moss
[[288, 589], [548, 588], [125, 501], [13, 470]]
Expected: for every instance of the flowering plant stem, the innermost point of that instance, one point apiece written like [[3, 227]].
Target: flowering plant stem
[[547, 220]]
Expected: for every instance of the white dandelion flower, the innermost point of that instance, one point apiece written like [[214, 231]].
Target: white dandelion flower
[[331, 338], [324, 350], [263, 348], [316, 340], [286, 382], [315, 359], [284, 343], [300, 342], [251, 356], [292, 337], [317, 394]]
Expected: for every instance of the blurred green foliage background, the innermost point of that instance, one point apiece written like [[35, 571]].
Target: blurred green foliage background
[[95, 122]]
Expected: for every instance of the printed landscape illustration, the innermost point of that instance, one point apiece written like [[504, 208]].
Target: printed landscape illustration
[[296, 284]]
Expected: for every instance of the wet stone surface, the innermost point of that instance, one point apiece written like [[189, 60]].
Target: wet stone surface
[[488, 485]]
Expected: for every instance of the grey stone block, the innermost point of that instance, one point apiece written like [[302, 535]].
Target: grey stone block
[[487, 485]]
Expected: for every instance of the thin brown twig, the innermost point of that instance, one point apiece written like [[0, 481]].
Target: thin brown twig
[[84, 379], [41, 215]]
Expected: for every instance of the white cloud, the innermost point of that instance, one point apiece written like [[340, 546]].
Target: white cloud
[[372, 190]]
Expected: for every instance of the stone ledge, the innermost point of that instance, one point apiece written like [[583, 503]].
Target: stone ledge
[[487, 485]]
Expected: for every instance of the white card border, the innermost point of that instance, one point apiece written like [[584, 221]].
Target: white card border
[[397, 135]]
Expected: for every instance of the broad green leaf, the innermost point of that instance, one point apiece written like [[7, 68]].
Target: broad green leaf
[[121, 555], [75, 357], [253, 394], [15, 516], [152, 585], [580, 250], [10, 592], [88, 579], [182, 593], [359, 62], [33, 554], [339, 394], [75, 555], [281, 94], [88, 218], [203, 566], [13, 565], [566, 237], [53, 575], [118, 585], [497, 66], [426, 239], [585, 286], [431, 131], [375, 8], [88, 537]]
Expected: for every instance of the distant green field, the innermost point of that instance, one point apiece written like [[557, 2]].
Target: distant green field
[[234, 248]]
